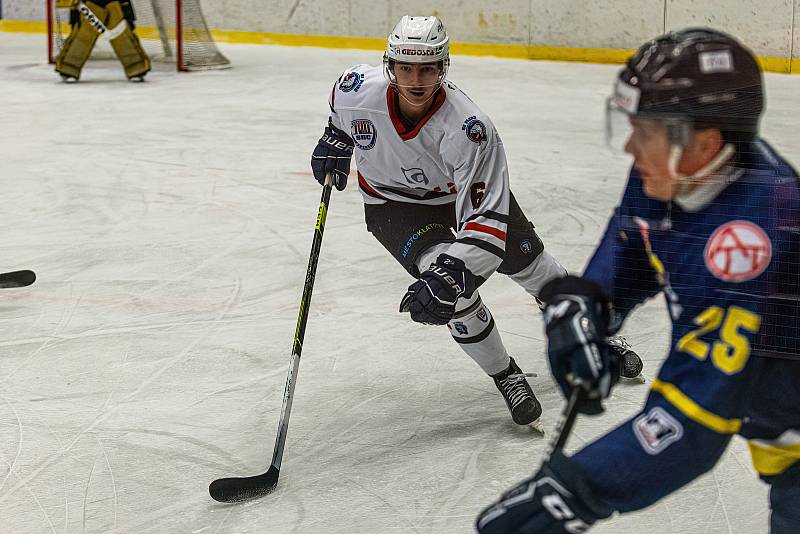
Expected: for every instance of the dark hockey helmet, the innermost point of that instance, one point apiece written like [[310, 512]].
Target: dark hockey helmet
[[699, 74]]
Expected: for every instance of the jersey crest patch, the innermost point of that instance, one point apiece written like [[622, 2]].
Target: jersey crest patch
[[474, 129], [364, 133], [351, 82], [415, 175], [738, 251], [656, 430]]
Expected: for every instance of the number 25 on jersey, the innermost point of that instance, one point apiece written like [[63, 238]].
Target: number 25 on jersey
[[730, 352]]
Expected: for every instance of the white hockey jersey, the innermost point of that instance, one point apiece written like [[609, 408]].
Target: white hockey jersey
[[453, 155]]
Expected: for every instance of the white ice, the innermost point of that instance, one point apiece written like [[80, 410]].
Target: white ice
[[169, 224]]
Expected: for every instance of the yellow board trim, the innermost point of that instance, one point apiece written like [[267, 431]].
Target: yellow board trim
[[769, 460], [22, 26], [513, 51], [694, 411]]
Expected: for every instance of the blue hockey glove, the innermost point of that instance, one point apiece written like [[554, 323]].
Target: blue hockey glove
[[556, 500], [332, 154], [432, 298], [577, 317]]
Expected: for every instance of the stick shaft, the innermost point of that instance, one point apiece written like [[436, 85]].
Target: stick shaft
[[302, 318]]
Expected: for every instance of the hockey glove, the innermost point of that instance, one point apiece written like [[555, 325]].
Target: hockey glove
[[556, 500], [432, 298], [332, 154], [576, 316]]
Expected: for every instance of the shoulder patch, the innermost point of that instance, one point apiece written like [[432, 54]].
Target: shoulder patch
[[351, 82], [738, 251], [656, 430], [474, 129]]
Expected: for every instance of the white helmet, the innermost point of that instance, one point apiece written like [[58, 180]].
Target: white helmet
[[417, 40]]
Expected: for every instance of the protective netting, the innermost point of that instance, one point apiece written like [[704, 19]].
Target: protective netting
[[166, 37]]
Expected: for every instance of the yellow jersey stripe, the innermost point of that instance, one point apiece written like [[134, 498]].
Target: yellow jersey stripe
[[773, 460], [694, 411]]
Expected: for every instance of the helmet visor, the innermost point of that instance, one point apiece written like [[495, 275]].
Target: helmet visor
[[622, 126], [618, 126]]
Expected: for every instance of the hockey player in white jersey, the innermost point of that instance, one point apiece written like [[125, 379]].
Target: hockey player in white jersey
[[433, 174]]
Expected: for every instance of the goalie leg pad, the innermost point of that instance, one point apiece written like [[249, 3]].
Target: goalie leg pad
[[126, 44], [81, 40]]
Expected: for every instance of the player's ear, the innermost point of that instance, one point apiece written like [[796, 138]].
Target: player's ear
[[710, 142]]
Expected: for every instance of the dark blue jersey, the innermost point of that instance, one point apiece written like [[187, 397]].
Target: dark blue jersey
[[730, 272]]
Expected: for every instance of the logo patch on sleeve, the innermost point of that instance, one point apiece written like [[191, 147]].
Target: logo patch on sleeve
[[656, 430], [364, 133], [738, 251], [475, 129], [351, 82]]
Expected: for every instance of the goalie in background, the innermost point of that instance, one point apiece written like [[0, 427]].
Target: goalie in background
[[89, 20]]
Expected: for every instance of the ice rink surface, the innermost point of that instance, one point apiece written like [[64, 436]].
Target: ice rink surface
[[169, 224]]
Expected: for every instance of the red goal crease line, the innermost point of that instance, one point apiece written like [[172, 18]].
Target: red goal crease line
[[512, 51]]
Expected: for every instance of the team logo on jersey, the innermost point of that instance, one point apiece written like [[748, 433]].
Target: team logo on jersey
[[364, 133], [482, 315], [351, 82], [738, 251], [415, 175], [475, 130], [656, 430], [526, 246]]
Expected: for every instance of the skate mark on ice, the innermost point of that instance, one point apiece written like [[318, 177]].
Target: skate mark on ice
[[104, 415]]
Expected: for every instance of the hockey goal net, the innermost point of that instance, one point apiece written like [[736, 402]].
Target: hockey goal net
[[171, 31]]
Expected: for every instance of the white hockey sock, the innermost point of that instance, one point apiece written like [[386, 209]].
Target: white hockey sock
[[543, 269], [473, 328]]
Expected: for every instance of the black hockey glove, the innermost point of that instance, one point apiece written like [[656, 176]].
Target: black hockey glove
[[577, 317], [432, 298], [556, 500], [332, 154]]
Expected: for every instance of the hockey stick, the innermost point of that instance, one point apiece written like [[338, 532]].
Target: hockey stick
[[237, 489], [17, 279], [564, 426]]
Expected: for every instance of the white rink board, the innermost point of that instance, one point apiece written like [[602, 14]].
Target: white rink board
[[169, 223]]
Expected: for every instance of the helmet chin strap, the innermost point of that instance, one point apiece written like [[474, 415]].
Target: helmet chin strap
[[687, 183]]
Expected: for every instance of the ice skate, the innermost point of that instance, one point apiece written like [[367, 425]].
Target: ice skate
[[522, 403], [630, 364]]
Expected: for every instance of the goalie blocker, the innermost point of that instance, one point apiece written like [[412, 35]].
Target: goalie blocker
[[115, 19]]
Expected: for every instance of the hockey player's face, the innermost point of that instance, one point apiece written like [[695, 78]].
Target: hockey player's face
[[649, 145], [417, 82]]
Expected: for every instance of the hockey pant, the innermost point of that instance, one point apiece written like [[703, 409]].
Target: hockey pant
[[473, 326], [96, 20]]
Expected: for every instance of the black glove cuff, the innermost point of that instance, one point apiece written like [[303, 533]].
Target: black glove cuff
[[568, 472], [573, 285]]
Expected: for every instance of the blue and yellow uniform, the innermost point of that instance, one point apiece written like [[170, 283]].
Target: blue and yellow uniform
[[729, 267]]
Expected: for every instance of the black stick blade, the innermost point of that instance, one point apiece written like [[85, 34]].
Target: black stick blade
[[17, 279], [237, 489]]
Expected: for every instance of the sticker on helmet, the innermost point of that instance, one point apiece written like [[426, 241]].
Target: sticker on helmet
[[738, 251], [716, 61], [627, 96], [475, 130]]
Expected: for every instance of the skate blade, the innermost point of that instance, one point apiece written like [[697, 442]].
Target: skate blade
[[639, 379], [538, 426]]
